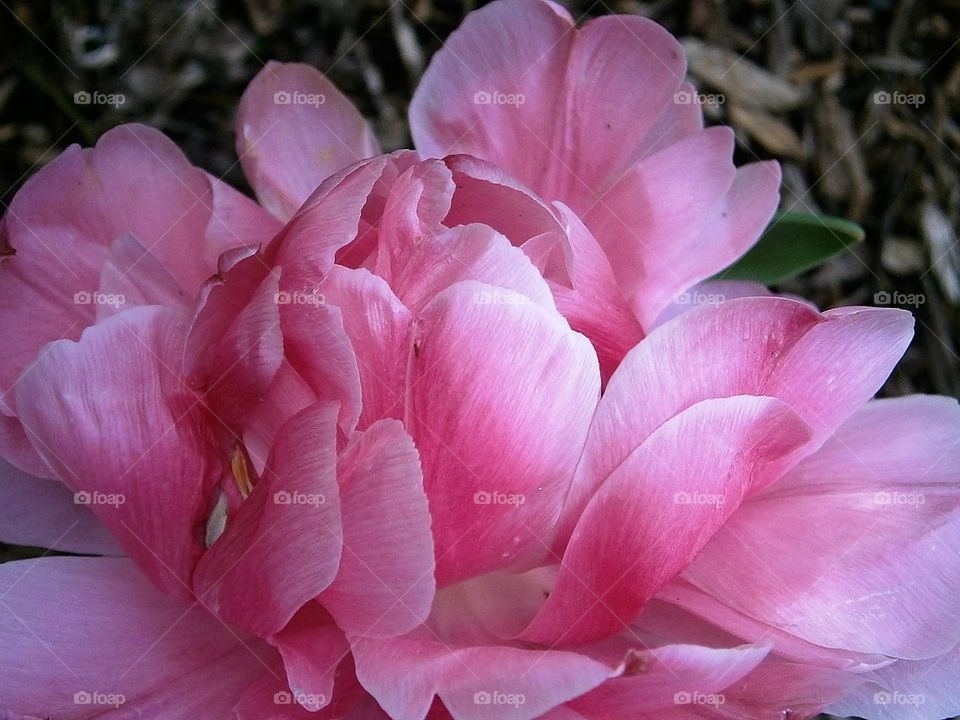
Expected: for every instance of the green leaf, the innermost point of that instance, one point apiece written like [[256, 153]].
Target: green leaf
[[791, 244]]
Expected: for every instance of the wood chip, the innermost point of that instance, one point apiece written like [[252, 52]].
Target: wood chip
[[740, 78]]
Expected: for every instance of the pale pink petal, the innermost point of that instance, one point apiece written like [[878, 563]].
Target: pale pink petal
[[663, 677], [500, 397], [16, 448], [42, 512], [657, 509], [710, 292], [133, 276], [907, 690], [474, 683], [282, 546], [294, 129], [144, 467], [880, 573], [79, 633], [789, 647], [823, 366], [380, 592]]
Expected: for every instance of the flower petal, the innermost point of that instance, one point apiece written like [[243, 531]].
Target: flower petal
[[500, 396], [282, 546], [104, 641], [294, 129], [657, 509], [880, 574], [378, 593]]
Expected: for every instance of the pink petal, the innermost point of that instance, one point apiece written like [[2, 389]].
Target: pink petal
[[823, 366], [243, 364], [405, 673], [65, 219], [593, 302], [379, 327], [312, 647], [710, 292], [658, 508], [576, 115], [879, 575], [381, 593], [79, 633], [282, 546], [42, 512], [142, 466], [294, 129], [500, 396]]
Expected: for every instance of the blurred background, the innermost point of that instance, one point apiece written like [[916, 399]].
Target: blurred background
[[858, 100]]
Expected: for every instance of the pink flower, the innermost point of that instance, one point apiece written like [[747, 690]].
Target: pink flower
[[367, 470]]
